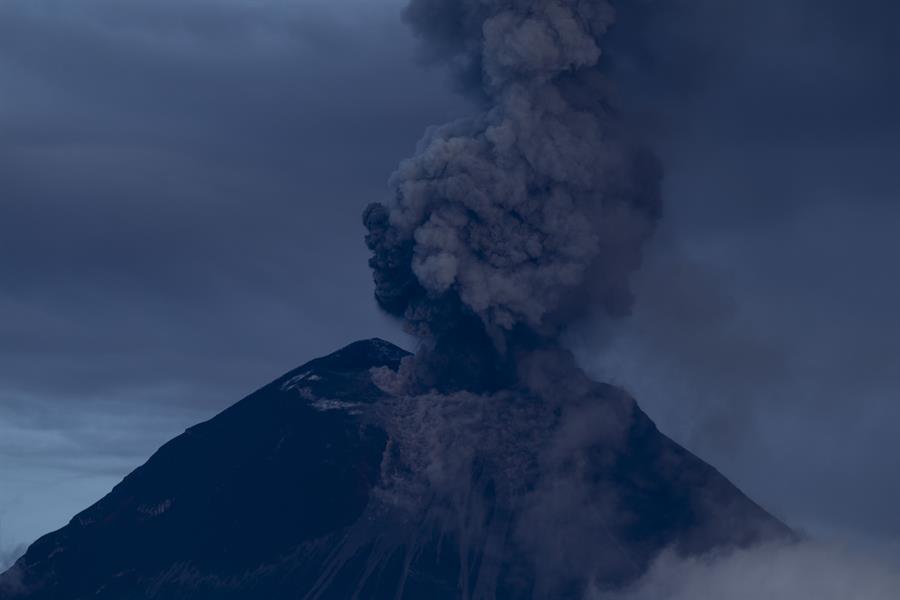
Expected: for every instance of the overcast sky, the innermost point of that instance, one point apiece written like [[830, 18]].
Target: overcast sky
[[180, 190]]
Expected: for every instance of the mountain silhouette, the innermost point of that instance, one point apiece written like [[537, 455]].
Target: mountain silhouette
[[304, 489]]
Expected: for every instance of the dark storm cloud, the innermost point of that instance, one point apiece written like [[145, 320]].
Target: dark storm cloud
[[180, 184], [171, 166]]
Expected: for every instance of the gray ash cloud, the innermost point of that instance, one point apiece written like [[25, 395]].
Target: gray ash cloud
[[507, 225]]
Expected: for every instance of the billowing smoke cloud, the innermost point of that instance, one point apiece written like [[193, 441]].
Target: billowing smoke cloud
[[509, 224], [505, 228]]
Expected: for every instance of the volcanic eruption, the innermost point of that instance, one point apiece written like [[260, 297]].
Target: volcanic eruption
[[505, 228], [486, 465]]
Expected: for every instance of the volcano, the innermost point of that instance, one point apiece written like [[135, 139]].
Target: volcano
[[326, 484]]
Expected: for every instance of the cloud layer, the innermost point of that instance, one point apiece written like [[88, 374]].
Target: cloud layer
[[799, 571]]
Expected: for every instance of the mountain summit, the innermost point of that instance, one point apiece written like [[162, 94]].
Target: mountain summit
[[326, 484]]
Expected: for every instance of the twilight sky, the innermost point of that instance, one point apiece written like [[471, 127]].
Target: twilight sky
[[180, 191]]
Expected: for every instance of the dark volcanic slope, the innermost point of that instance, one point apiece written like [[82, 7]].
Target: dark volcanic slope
[[260, 501]]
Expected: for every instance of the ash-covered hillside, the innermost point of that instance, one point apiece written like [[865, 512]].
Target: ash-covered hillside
[[325, 484]]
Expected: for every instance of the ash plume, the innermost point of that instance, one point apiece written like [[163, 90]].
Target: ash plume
[[504, 229], [506, 226]]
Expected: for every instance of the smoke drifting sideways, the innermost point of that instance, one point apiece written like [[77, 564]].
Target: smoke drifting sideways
[[507, 226]]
